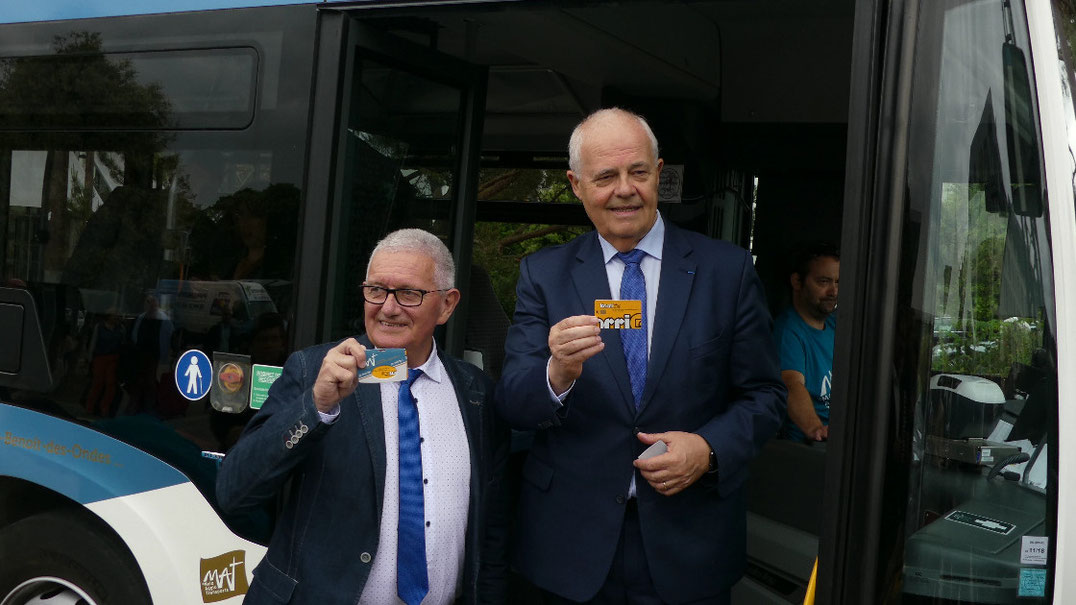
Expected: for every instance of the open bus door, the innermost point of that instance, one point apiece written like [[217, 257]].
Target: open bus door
[[407, 156]]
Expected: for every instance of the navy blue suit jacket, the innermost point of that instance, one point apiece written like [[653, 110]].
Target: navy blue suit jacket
[[324, 542], [713, 371]]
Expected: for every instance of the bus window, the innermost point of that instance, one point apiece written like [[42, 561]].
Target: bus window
[[148, 211], [976, 353]]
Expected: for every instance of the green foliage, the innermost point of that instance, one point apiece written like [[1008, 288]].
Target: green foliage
[[970, 255], [499, 247], [986, 348]]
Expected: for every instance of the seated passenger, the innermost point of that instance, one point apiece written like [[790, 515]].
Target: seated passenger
[[804, 335]]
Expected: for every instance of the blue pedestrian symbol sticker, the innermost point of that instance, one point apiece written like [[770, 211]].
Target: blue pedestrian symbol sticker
[[192, 375]]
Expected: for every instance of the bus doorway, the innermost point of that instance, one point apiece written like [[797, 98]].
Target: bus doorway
[[751, 159]]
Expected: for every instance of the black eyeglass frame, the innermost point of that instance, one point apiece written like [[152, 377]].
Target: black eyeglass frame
[[393, 291]]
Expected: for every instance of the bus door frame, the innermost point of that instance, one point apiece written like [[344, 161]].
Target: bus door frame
[[343, 35]]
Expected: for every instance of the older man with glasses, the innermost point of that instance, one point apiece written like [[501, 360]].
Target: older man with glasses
[[395, 490]]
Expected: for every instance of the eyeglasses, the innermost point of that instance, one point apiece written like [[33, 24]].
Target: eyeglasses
[[405, 297]]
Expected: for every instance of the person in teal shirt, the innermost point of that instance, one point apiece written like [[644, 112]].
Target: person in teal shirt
[[804, 336]]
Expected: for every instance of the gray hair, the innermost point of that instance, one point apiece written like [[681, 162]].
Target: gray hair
[[423, 242], [575, 143]]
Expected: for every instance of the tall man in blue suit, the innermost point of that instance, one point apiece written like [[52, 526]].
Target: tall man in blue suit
[[701, 376], [396, 490]]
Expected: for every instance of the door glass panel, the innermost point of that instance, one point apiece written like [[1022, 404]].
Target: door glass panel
[[401, 163], [975, 355]]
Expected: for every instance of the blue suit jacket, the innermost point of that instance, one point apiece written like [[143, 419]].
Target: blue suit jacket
[[325, 539], [712, 370]]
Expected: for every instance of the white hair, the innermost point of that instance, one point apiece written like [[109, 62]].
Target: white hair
[[423, 242], [575, 143]]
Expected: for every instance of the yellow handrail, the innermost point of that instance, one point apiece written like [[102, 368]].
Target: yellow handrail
[[808, 597]]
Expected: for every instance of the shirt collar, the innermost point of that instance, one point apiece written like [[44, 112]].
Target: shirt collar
[[433, 368], [651, 243]]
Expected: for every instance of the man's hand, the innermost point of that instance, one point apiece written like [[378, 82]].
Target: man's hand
[[572, 341], [687, 459], [820, 433], [339, 374]]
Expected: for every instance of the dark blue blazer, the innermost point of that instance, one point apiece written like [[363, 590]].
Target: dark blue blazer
[[326, 537], [713, 370]]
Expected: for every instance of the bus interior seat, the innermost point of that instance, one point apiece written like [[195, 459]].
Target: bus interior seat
[[786, 485]]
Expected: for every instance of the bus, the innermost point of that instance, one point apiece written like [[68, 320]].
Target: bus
[[214, 176]]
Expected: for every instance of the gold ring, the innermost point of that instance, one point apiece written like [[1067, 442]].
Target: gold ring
[[663, 486]]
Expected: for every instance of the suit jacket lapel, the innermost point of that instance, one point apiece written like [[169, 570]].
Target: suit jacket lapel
[[677, 277], [367, 400], [591, 283]]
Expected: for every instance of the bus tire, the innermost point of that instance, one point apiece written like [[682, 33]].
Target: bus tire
[[67, 552]]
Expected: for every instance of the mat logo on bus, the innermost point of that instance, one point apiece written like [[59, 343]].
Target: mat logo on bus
[[224, 576], [619, 314]]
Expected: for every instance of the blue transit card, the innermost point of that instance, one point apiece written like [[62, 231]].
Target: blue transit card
[[384, 365]]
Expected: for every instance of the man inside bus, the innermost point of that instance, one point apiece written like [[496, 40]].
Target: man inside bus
[[699, 374], [804, 335], [393, 490]]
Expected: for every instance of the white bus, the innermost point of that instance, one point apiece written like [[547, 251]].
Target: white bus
[[240, 143]]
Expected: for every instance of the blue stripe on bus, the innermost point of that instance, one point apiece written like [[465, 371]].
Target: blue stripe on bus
[[14, 11], [74, 460]]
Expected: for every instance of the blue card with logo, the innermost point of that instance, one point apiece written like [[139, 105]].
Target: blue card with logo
[[384, 365]]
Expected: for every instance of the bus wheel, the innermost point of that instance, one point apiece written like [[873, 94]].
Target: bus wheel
[[62, 558]]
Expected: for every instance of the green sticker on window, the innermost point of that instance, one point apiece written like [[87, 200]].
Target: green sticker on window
[[1032, 583], [263, 377]]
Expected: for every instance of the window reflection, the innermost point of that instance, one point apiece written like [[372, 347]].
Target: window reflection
[[976, 364], [137, 243]]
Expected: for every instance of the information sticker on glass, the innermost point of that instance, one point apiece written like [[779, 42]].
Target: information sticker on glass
[[1033, 550], [384, 365], [262, 377]]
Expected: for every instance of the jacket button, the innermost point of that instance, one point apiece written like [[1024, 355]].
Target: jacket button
[[365, 557], [289, 444], [620, 499]]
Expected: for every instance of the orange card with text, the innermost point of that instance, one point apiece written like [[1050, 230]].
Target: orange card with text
[[619, 314]]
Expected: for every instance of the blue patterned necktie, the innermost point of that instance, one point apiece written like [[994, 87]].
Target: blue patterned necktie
[[633, 287], [412, 583]]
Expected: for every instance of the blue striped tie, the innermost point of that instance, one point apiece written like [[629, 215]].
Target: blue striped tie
[[633, 287], [412, 583]]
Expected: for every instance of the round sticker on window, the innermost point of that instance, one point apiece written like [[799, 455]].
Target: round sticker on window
[[230, 377]]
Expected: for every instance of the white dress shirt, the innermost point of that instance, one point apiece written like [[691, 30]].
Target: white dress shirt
[[446, 478]]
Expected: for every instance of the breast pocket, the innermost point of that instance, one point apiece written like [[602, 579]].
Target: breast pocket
[[708, 362]]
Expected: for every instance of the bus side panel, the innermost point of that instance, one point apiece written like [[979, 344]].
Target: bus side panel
[[185, 551]]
